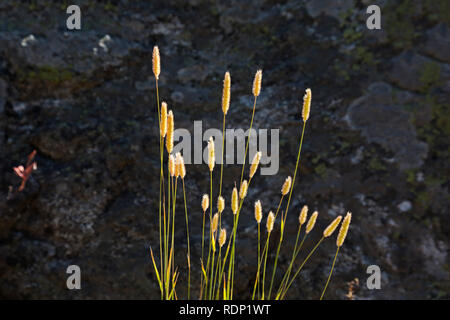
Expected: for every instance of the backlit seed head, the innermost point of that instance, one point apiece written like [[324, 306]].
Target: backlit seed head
[[243, 189], [177, 165], [156, 62], [215, 222], [222, 237], [163, 123], [332, 226], [211, 154], [205, 202], [234, 201], [255, 163], [258, 211], [226, 93], [180, 169], [257, 83], [306, 104], [286, 186], [172, 165], [170, 129], [303, 215], [311, 222], [344, 228], [220, 204], [270, 221]]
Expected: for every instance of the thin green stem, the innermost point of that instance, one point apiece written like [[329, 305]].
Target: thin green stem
[[287, 206], [331, 271], [264, 268], [296, 167], [295, 252], [248, 139], [210, 234], [231, 265], [161, 183], [188, 242], [301, 266], [259, 251], [259, 270], [223, 148]]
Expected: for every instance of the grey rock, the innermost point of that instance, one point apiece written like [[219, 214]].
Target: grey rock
[[388, 124], [438, 42], [333, 8], [409, 69]]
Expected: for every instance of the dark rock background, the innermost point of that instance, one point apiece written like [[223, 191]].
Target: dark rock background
[[377, 142]]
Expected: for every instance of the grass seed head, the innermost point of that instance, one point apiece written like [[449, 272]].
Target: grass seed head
[[258, 211], [215, 222], [286, 186], [306, 105], [180, 169], [257, 83], [344, 228], [270, 222], [226, 93], [171, 165], [234, 201], [163, 124], [177, 164], [170, 129], [303, 215], [211, 154], [156, 62], [220, 204], [332, 226], [311, 222], [243, 190], [255, 163], [222, 237], [205, 202]]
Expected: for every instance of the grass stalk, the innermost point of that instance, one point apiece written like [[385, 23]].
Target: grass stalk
[[301, 266], [331, 272]]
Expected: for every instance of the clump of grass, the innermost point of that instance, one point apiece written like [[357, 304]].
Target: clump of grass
[[218, 266]]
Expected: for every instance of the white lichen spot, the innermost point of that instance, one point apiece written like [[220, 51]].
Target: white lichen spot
[[27, 40], [103, 41], [405, 206]]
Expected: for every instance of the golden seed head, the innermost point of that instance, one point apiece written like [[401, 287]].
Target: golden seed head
[[211, 154], [177, 167], [332, 226], [303, 215], [163, 123], [170, 129], [222, 237], [258, 211], [172, 165], [270, 221], [257, 83], [255, 163], [226, 93], [156, 62], [344, 228], [220, 204], [286, 186], [243, 189], [234, 201], [311, 222], [306, 105], [205, 202], [215, 222], [180, 169]]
